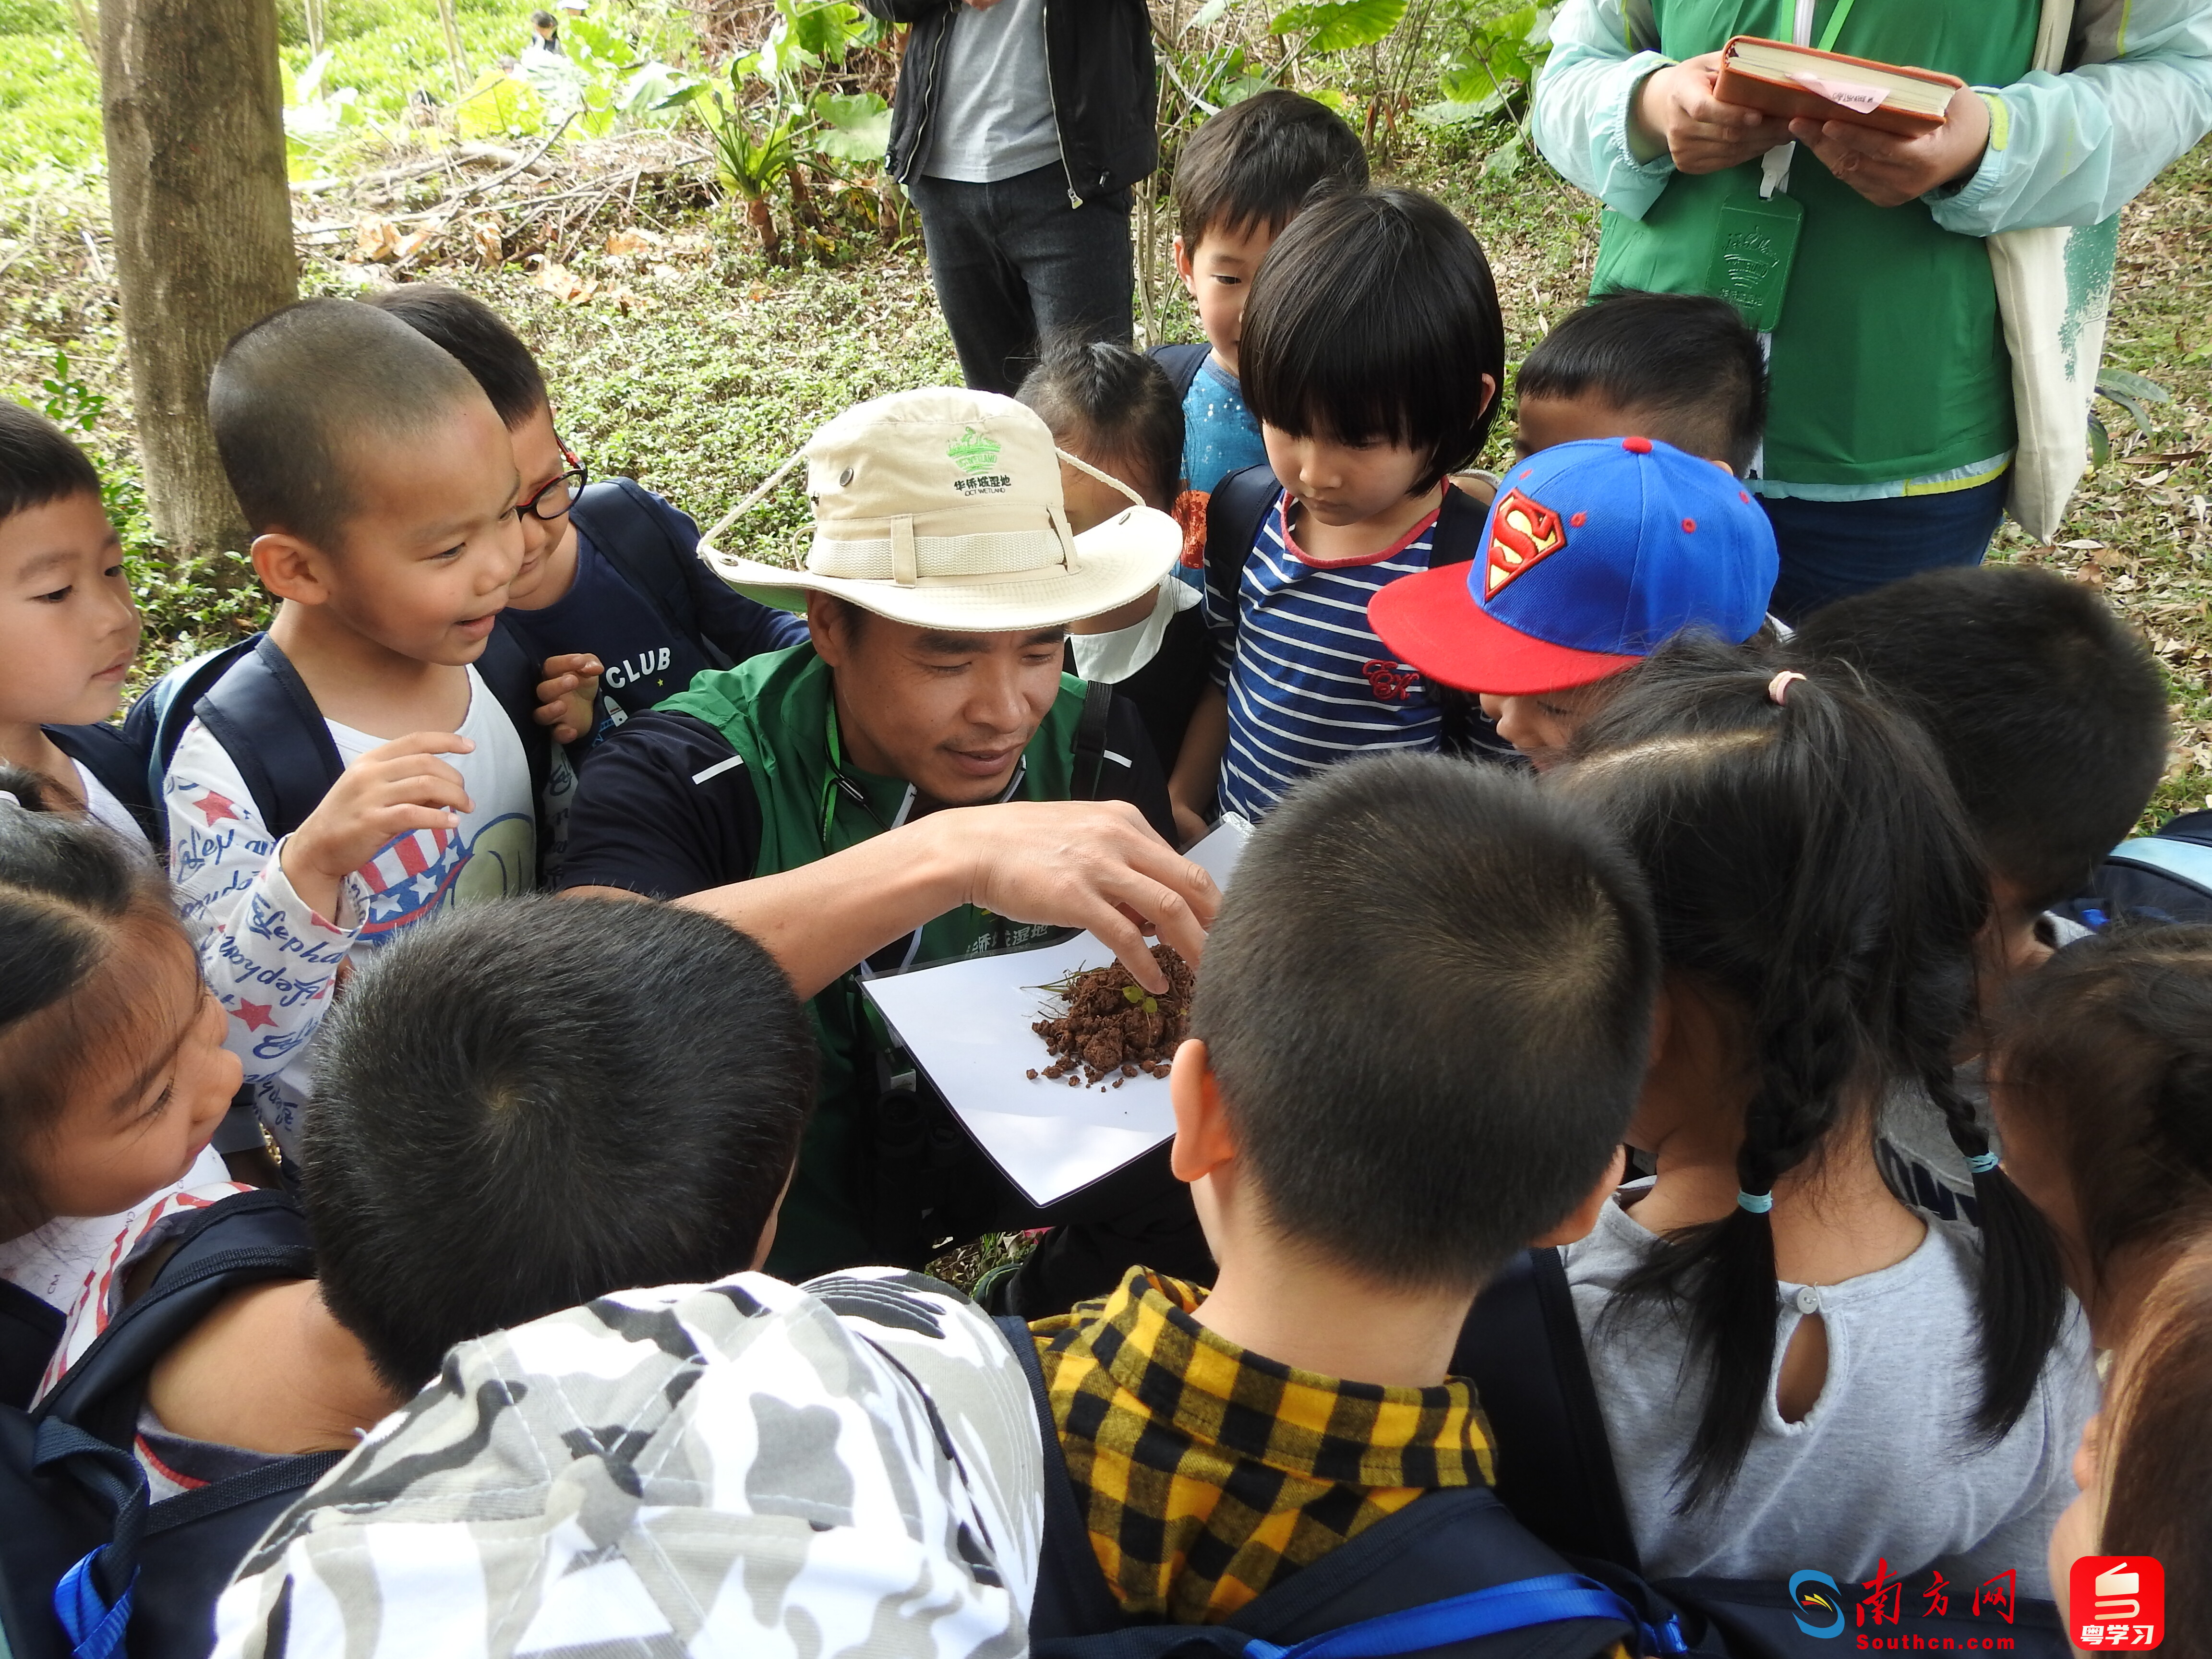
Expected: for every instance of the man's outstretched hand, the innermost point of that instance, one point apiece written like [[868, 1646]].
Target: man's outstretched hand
[[1081, 864], [1889, 170]]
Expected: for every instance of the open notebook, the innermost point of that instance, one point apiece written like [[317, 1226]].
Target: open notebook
[[1793, 81], [967, 1024]]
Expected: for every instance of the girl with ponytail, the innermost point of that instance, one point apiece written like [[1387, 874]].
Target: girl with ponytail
[[1796, 1370]]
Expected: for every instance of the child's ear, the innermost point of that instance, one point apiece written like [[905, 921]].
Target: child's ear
[[1183, 268], [1489, 394], [1577, 1224], [1203, 1142], [289, 568]]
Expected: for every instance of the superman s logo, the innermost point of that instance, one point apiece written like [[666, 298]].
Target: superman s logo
[[1522, 532]]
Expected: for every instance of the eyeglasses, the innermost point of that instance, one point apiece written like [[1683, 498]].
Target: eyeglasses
[[555, 500]]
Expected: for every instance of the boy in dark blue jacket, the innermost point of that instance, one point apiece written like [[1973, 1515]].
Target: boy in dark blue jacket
[[611, 584]]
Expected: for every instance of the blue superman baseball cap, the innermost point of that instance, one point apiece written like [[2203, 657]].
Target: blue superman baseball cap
[[1594, 553]]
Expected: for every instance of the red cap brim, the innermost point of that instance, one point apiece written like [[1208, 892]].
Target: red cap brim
[[1432, 621]]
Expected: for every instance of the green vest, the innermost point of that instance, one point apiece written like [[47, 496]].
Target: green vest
[[1889, 361], [775, 711]]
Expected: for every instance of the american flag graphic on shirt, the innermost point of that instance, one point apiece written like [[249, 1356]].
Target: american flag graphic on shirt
[[1308, 681]]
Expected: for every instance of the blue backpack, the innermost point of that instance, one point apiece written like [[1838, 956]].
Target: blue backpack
[[2166, 876], [91, 1567], [1452, 1574]]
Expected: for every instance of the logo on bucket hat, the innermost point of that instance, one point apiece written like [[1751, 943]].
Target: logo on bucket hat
[[1595, 553]]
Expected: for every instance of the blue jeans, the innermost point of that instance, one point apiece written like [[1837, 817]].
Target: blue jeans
[[1012, 263], [1831, 550]]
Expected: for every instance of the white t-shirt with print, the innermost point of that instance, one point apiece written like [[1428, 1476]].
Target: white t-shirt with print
[[58, 1261], [271, 960], [101, 806]]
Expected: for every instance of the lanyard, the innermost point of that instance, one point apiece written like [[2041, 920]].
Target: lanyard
[[1774, 170]]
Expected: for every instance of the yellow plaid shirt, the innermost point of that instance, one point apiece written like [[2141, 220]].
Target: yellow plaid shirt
[[1209, 1474]]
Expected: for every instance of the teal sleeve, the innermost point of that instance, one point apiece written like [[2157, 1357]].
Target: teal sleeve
[[2075, 148], [1580, 115]]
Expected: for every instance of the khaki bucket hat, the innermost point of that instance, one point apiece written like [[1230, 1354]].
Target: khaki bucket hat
[[942, 508]]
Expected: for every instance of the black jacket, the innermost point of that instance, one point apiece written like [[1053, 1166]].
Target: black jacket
[[1099, 57]]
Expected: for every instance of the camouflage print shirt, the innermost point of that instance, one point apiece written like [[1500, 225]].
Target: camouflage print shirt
[[851, 1467]]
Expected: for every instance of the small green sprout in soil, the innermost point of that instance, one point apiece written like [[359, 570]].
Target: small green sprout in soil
[[1112, 1024]]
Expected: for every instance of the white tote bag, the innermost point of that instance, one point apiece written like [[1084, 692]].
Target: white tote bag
[[2054, 288]]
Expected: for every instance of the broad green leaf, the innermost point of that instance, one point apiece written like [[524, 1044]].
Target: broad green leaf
[[2113, 381], [1338, 25], [498, 104], [1505, 161], [1453, 113], [1206, 16], [2100, 441], [855, 127], [825, 30]]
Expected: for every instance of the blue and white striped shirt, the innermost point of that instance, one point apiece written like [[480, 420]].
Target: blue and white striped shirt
[[1307, 681]]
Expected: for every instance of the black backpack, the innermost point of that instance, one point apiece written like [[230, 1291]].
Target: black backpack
[[91, 1567], [258, 708], [1452, 1574], [120, 766], [1239, 507], [617, 515], [1182, 363], [2166, 876], [1522, 1348]]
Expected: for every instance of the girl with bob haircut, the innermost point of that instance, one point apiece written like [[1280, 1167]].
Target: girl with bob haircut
[[1781, 1346]]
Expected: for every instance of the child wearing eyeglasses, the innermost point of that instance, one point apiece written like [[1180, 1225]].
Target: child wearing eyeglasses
[[611, 586]]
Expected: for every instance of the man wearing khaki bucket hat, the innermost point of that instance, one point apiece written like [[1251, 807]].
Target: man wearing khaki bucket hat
[[917, 782]]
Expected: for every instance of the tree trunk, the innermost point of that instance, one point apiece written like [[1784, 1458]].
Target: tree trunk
[[194, 111]]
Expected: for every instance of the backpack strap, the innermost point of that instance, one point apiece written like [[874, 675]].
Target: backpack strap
[[615, 515], [30, 1329], [1090, 739], [1073, 1597], [1467, 731], [259, 709], [117, 762], [1521, 1346], [1458, 535], [510, 674], [1182, 363], [155, 723], [1238, 507]]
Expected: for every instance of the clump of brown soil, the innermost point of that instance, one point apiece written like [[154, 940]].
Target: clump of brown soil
[[1112, 1024]]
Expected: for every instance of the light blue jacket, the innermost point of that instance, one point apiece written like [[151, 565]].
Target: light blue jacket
[[2064, 150]]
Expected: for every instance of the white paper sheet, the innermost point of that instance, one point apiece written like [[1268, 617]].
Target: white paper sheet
[[967, 1024]]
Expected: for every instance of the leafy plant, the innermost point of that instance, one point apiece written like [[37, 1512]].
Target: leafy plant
[[71, 404], [1339, 25], [1489, 75]]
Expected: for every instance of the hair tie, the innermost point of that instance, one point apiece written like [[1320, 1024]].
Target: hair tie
[[1982, 1163], [1757, 1203], [13, 799], [1778, 688]]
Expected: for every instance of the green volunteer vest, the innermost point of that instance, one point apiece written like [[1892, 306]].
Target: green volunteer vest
[[1889, 361], [774, 710]]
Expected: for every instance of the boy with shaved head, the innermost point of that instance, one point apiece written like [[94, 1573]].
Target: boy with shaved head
[[381, 488]]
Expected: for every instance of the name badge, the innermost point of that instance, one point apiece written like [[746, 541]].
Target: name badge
[[1754, 244]]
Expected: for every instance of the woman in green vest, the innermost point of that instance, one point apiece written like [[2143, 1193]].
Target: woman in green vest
[[1891, 425], [919, 781]]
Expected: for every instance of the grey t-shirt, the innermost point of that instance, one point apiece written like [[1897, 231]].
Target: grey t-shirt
[[994, 116], [1883, 1467]]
